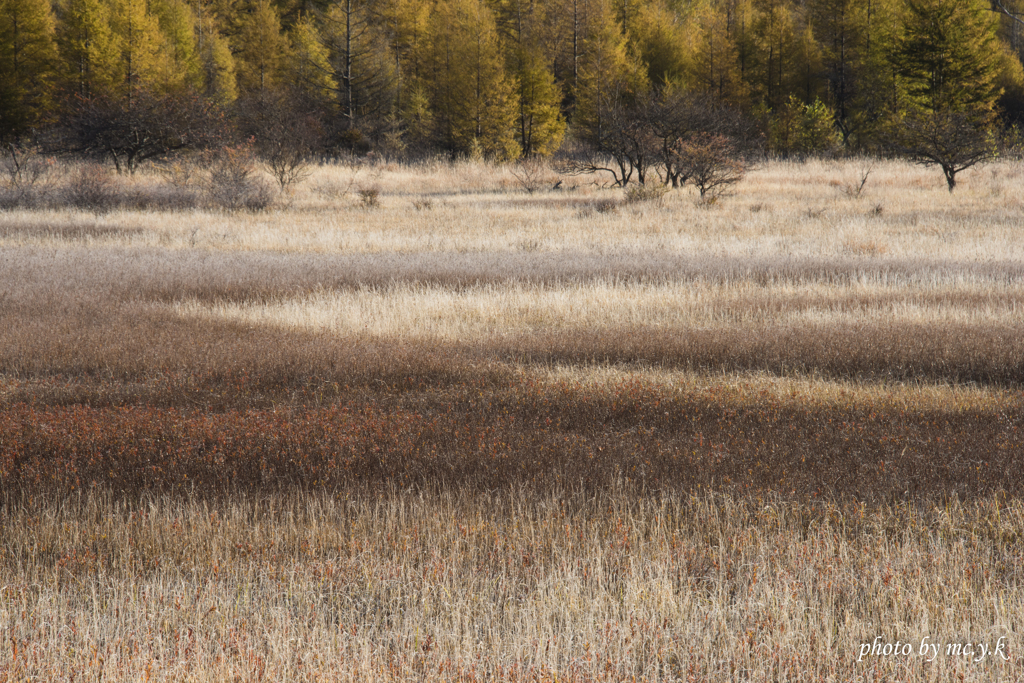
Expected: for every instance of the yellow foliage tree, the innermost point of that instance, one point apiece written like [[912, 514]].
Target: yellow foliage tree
[[140, 47], [310, 62], [541, 126], [89, 56], [471, 95], [609, 74], [183, 65], [261, 51], [27, 56]]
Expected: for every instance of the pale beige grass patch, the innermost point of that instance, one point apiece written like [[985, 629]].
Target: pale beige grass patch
[[478, 313], [782, 208]]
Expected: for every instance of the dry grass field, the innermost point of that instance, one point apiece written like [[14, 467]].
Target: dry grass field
[[419, 423]]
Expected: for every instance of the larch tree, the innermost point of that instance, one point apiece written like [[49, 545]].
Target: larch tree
[[562, 33], [220, 82], [404, 25], [261, 51], [878, 88], [806, 81], [948, 59], [715, 67], [661, 39], [839, 27], [183, 62], [89, 56], [610, 76], [27, 60], [364, 66], [311, 68], [141, 49], [541, 126], [775, 38], [472, 96]]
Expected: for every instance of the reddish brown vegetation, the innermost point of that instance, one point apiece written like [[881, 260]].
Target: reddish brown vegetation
[[482, 438]]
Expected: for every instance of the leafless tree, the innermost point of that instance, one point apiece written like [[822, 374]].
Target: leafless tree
[[23, 165], [659, 135], [712, 163], [677, 118], [146, 126], [951, 140], [286, 133]]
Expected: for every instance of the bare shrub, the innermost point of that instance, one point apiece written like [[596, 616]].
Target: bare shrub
[[603, 205], [234, 183], [184, 173], [25, 176], [285, 133], [94, 188], [23, 166], [639, 139], [638, 194], [334, 190], [369, 197], [147, 125], [854, 188], [711, 162], [15, 198], [91, 187], [161, 197], [532, 174], [952, 140]]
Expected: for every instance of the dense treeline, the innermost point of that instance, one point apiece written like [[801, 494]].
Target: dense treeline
[[499, 78]]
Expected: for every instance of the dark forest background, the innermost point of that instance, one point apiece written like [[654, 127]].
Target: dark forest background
[[131, 80]]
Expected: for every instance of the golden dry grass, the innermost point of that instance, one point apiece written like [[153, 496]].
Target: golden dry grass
[[475, 433], [782, 209], [435, 586]]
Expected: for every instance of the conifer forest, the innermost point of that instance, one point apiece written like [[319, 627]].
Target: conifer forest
[[500, 79]]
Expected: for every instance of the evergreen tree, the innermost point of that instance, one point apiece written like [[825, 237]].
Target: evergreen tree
[[541, 126], [27, 60], [261, 51], [311, 65], [142, 63], [472, 97], [948, 56], [183, 64], [89, 56]]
